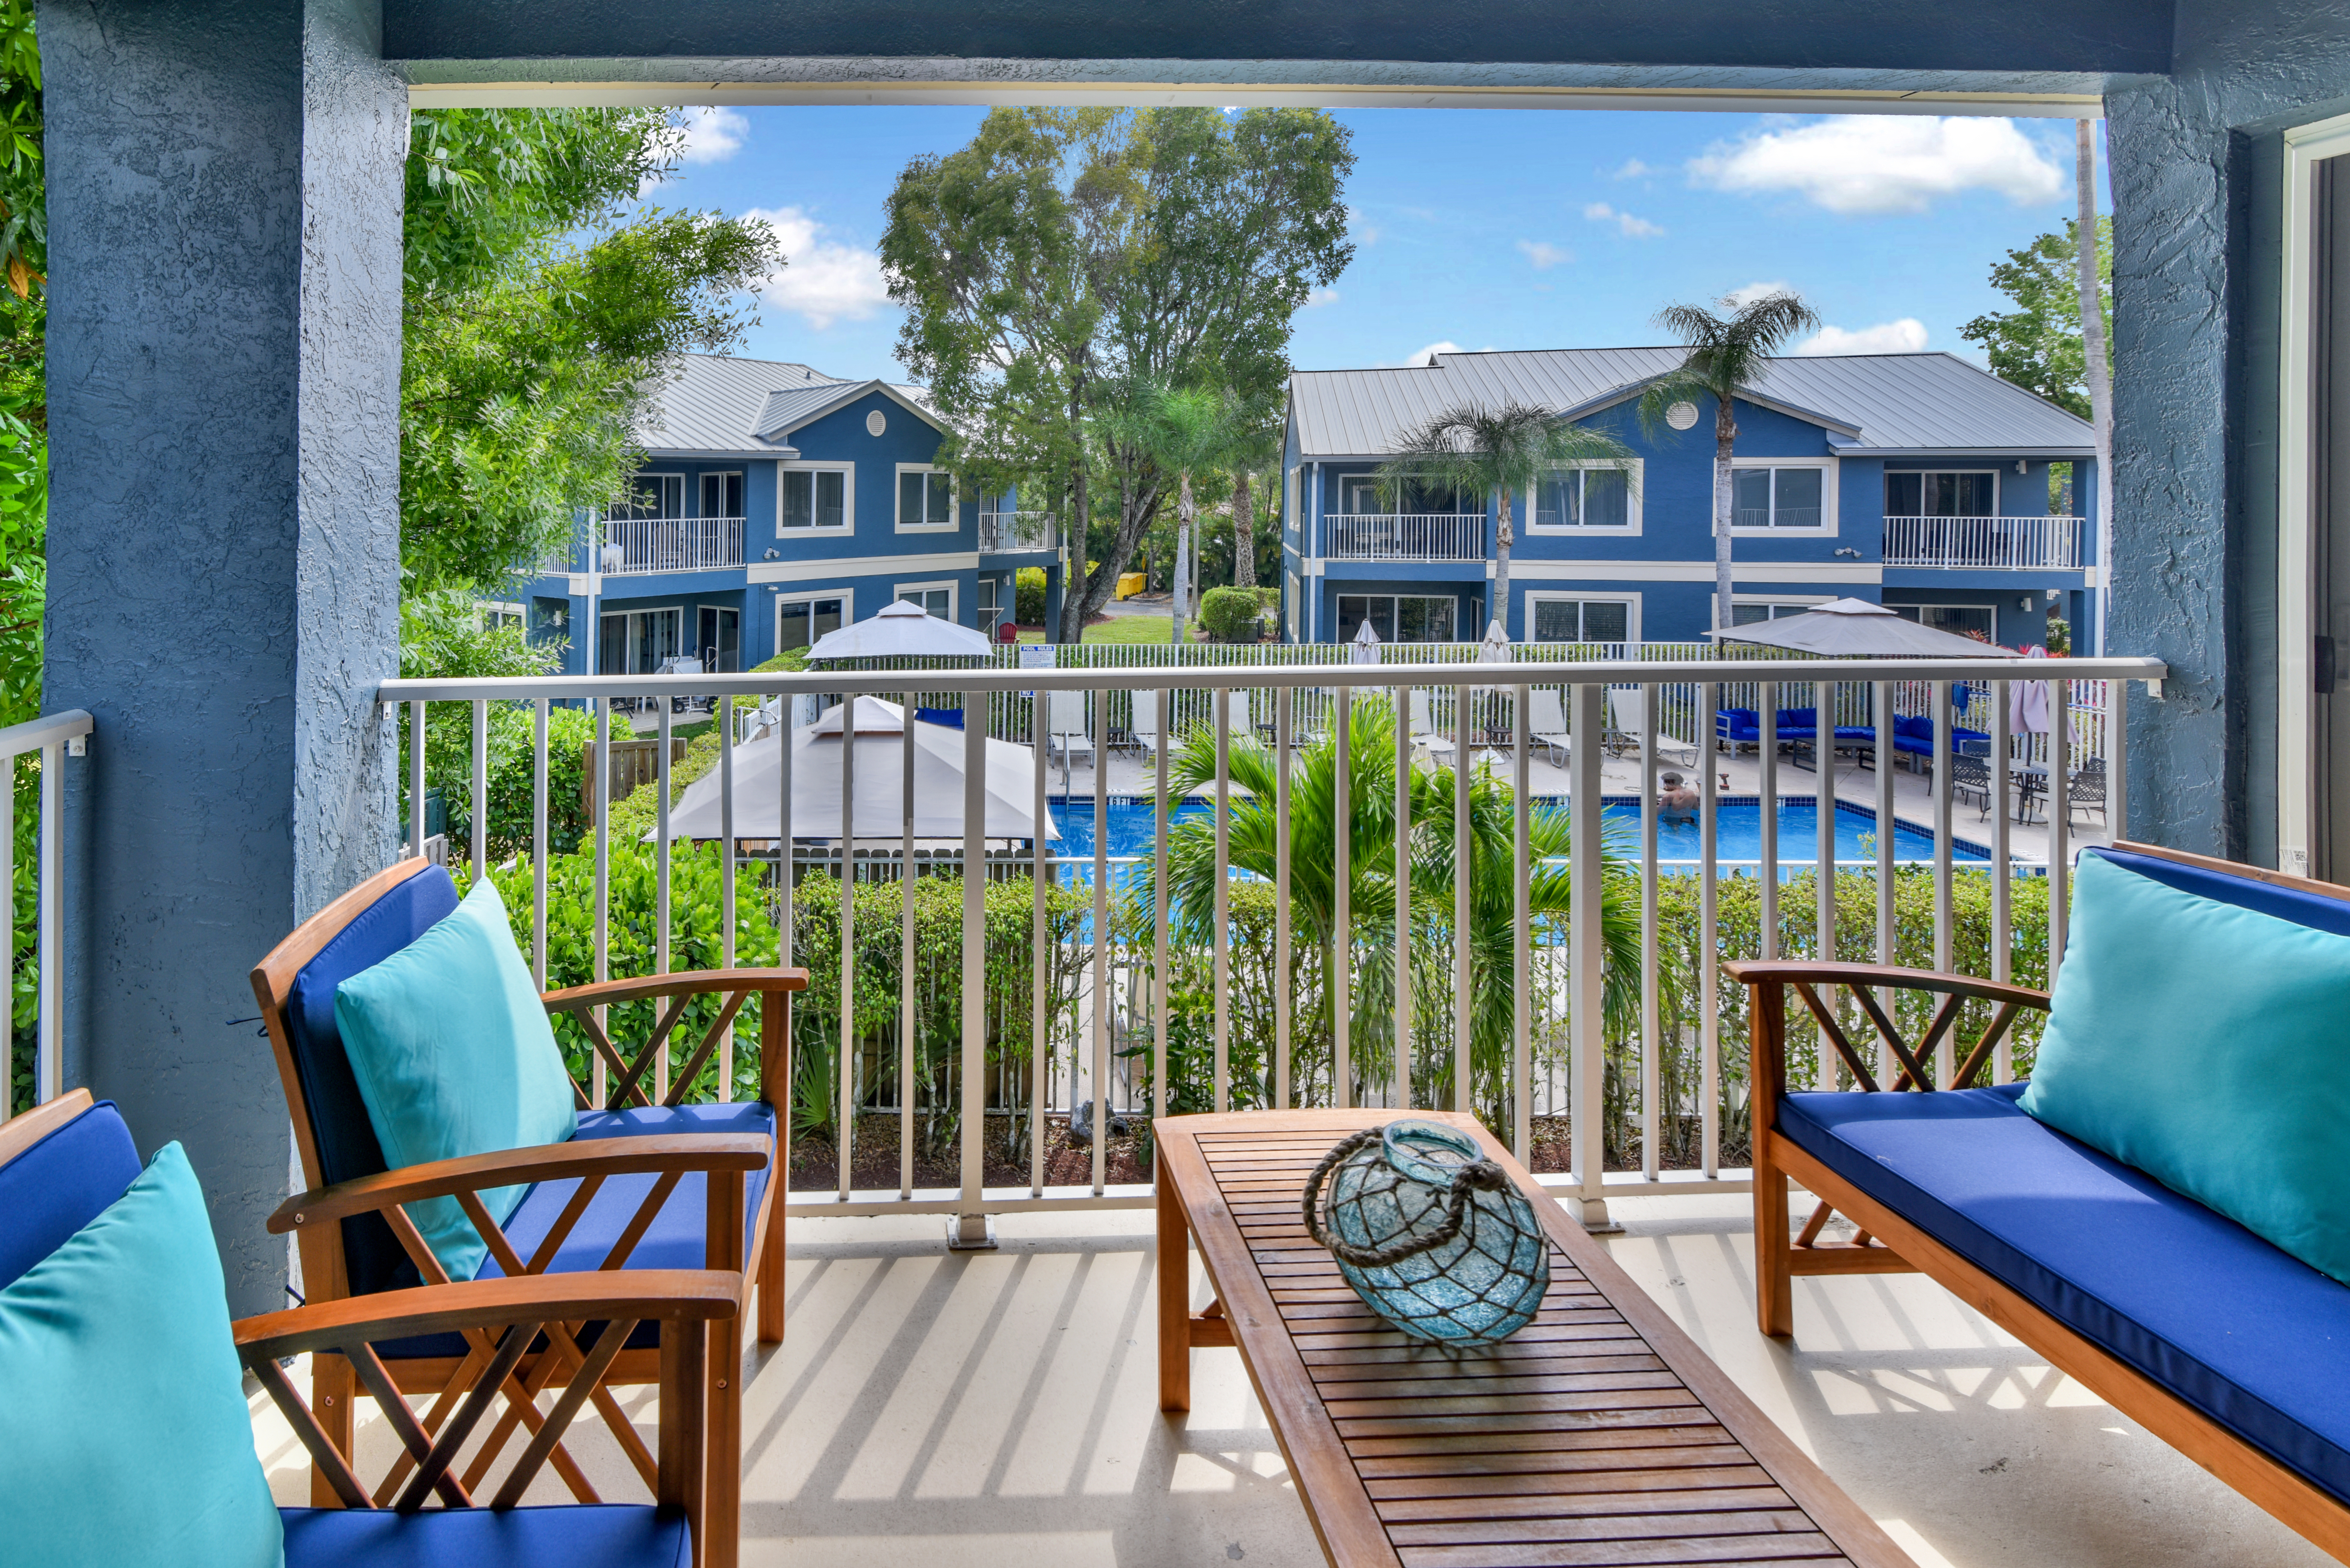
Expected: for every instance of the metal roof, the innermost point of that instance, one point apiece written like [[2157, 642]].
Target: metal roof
[[1878, 404], [711, 404]]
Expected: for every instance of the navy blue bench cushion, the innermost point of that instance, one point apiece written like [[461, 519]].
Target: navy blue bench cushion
[[348, 1148], [2248, 1334], [62, 1183], [2314, 910], [673, 1241], [596, 1535]]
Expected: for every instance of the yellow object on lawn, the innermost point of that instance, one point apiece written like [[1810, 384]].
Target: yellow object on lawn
[[1129, 583]]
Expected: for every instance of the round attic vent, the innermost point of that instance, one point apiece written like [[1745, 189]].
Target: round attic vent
[[875, 424], [1680, 416]]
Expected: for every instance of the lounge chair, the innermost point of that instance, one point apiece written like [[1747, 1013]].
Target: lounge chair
[[1066, 733], [1424, 732], [1144, 729], [1547, 722], [704, 1171], [1623, 710], [70, 1163], [2088, 789]]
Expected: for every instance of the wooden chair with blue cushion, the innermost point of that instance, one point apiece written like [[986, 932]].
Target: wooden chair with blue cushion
[[644, 1182], [2159, 1211], [126, 1428]]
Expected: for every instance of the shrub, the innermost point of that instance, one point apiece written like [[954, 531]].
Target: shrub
[[449, 767], [1028, 597], [1231, 615]]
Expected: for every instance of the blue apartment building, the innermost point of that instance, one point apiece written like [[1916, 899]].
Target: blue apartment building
[[775, 503], [1917, 481]]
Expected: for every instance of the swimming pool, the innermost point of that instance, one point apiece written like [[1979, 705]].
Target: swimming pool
[[1737, 834]]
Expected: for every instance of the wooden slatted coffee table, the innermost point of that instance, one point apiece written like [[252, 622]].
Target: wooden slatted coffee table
[[1598, 1434]]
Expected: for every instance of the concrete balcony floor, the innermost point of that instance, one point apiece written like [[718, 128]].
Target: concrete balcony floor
[[999, 1410]]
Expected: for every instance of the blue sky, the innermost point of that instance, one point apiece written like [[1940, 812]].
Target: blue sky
[[1485, 229]]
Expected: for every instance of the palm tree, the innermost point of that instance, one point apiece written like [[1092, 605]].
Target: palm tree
[[1253, 451], [1252, 840], [1500, 451], [1188, 430], [1727, 354]]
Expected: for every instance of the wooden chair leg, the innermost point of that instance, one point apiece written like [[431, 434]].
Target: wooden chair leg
[[1774, 1293], [722, 1500], [332, 1387], [770, 1279]]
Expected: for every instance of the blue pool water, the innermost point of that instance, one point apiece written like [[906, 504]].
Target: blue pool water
[[1737, 832]]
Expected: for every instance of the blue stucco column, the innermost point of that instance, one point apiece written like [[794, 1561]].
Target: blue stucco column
[[224, 195]]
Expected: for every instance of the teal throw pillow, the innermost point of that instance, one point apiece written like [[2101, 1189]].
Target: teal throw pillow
[[124, 1423], [2203, 1043], [454, 1056]]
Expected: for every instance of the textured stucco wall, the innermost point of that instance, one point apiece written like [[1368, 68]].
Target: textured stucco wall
[[223, 354], [2195, 255]]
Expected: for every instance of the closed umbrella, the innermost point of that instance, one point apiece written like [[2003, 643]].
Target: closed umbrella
[[1854, 629], [879, 737], [903, 629], [2027, 701]]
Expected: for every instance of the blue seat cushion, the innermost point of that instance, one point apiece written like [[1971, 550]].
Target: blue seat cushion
[[673, 1241], [596, 1535], [61, 1184], [348, 1148], [2250, 1335]]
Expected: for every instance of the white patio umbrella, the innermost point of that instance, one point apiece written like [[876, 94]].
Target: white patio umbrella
[[880, 778], [1364, 649], [901, 630], [1854, 629], [2027, 701]]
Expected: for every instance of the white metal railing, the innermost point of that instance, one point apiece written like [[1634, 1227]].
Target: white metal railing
[[1988, 543], [1404, 535], [1326, 978], [48, 740], [633, 545], [1015, 531]]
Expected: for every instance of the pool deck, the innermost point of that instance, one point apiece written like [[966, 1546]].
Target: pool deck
[[1128, 774]]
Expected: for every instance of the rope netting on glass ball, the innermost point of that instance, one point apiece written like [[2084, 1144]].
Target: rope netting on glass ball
[[1435, 1238]]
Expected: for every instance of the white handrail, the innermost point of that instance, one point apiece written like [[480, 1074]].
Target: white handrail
[[1985, 543], [1405, 535]]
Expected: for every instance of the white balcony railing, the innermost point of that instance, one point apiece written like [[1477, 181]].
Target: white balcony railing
[[47, 742], [633, 545], [1001, 531], [1405, 535], [1252, 985], [1985, 543]]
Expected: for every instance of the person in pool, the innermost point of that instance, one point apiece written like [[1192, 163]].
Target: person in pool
[[1675, 800]]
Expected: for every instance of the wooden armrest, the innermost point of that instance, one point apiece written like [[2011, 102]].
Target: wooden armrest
[[1791, 972], [683, 983], [513, 1166], [690, 1296]]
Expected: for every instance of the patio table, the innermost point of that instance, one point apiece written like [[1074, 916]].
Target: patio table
[[1599, 1433]]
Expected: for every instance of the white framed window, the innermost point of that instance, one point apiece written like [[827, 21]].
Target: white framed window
[[1784, 495], [991, 601], [1289, 519], [937, 599], [1941, 493], [496, 616], [1399, 617], [926, 499], [650, 496], [1297, 597], [801, 618], [636, 642], [721, 495], [1359, 496], [1590, 497], [1583, 617], [1959, 620], [814, 498], [1746, 609]]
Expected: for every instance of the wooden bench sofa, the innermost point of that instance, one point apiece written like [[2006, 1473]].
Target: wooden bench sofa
[[2230, 1350]]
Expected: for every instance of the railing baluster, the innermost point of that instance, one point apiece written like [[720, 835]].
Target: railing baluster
[[1825, 695], [1161, 982], [480, 785], [2059, 799], [906, 1024], [845, 1074], [1944, 916], [1284, 982], [1104, 1004], [2117, 825], [1463, 848], [1521, 979], [971, 1228], [48, 936], [1887, 755], [415, 779], [1709, 920], [1040, 944], [1342, 902], [600, 710], [2003, 874], [1651, 1047], [725, 717], [1221, 942], [1401, 947], [1587, 1109], [538, 845]]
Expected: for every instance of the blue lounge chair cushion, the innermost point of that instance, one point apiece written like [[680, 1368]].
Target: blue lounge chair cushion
[[1737, 724], [2175, 1024], [2255, 1338], [597, 1535], [61, 1184], [453, 1055], [125, 1428], [347, 1149]]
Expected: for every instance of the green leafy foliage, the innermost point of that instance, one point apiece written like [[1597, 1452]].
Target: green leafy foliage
[[1232, 615], [1028, 597], [2037, 345]]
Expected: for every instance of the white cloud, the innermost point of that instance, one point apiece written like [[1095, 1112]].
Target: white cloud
[[1634, 169], [822, 279], [1427, 356], [1543, 254], [1314, 297], [1872, 163], [1360, 226], [1632, 228], [1740, 298], [1907, 336], [712, 135]]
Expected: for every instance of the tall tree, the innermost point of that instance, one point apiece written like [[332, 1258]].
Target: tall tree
[[1188, 432], [2089, 277], [1255, 450], [1727, 353], [1068, 261], [1502, 451], [541, 306], [2039, 346]]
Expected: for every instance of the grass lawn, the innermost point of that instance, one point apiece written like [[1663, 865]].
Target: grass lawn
[[1121, 629]]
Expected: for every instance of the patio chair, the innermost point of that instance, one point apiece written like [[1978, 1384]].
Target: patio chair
[[1623, 710], [1148, 734], [2087, 791], [640, 1184], [1067, 732], [1970, 776], [1547, 722], [1439, 746], [70, 1163]]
